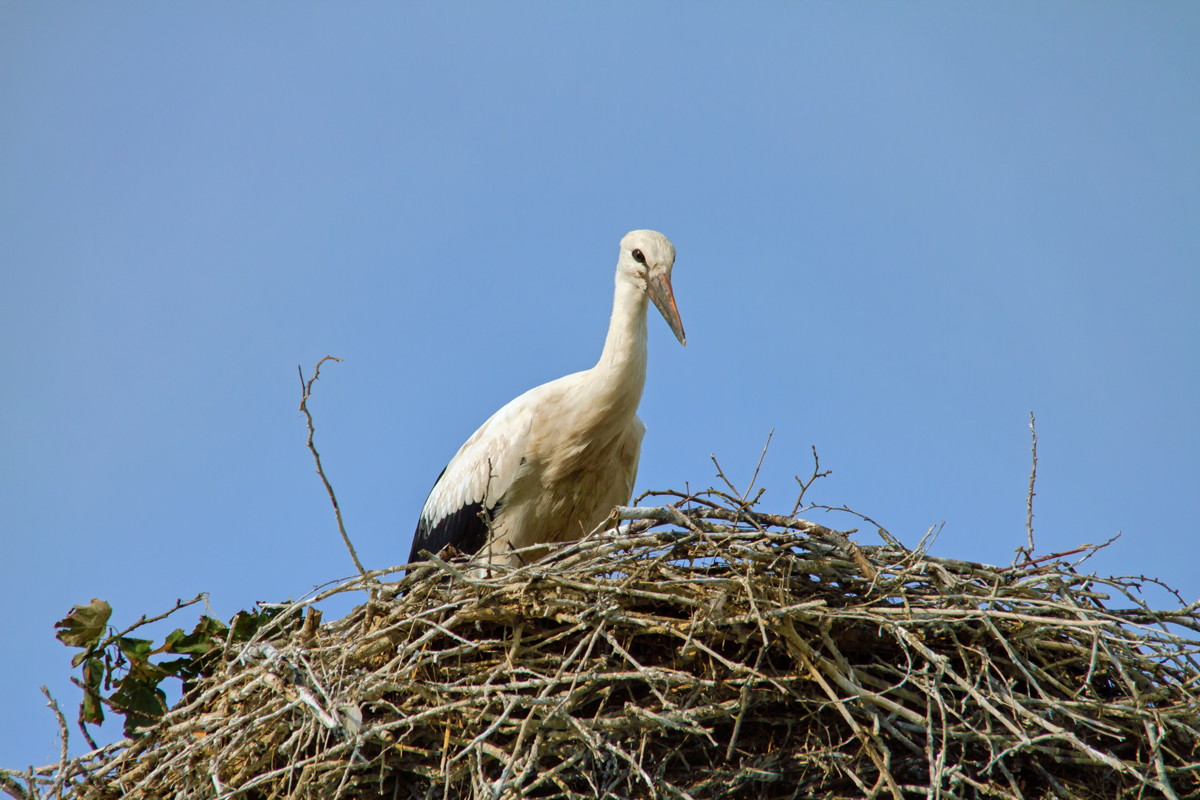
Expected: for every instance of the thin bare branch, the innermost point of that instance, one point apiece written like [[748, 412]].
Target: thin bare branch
[[307, 393], [64, 735], [721, 475], [757, 467], [804, 485], [1032, 478]]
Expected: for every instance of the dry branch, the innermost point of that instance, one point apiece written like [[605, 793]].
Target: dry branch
[[306, 393], [1032, 480]]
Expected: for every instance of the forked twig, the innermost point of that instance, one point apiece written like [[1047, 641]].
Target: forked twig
[[804, 485], [307, 389], [721, 475], [750, 488]]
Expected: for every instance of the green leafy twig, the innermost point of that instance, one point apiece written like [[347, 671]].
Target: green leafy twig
[[117, 668]]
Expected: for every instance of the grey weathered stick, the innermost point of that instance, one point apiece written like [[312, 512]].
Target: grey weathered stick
[[64, 733]]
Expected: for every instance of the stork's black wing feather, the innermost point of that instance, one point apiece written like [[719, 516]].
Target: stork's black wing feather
[[464, 529]]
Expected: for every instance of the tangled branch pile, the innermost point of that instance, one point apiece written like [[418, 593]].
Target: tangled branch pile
[[701, 653]]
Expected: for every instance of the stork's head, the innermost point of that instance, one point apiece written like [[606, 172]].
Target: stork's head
[[646, 259]]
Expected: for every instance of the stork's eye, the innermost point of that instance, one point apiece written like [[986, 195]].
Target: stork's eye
[[638, 257]]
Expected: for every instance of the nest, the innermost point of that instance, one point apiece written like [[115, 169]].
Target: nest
[[701, 652]]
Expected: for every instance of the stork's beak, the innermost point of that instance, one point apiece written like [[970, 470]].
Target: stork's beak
[[659, 289]]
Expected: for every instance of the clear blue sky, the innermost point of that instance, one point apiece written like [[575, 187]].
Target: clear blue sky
[[900, 228]]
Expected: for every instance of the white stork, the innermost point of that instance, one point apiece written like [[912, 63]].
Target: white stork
[[553, 463]]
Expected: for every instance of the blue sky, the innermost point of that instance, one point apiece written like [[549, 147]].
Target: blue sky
[[900, 229]]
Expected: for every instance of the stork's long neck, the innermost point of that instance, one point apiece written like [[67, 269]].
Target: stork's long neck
[[620, 375]]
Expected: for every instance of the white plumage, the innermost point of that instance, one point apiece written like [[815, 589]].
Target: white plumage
[[552, 464]]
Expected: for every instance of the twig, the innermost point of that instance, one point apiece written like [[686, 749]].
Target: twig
[[83, 729], [307, 393], [721, 475], [63, 733], [883, 532], [1087, 548], [1032, 478], [144, 620], [750, 488], [312, 624], [11, 787], [804, 485]]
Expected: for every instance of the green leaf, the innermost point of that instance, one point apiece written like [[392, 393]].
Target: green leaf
[[93, 673], [90, 710], [145, 671], [199, 641], [246, 623], [84, 626], [142, 703], [179, 667], [136, 650]]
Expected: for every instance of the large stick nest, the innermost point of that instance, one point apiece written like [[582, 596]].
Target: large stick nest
[[703, 653]]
